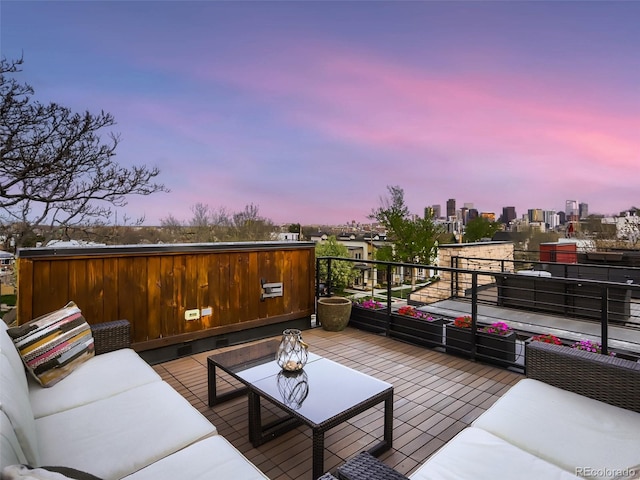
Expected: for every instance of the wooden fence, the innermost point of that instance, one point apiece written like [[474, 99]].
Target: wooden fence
[[153, 286]]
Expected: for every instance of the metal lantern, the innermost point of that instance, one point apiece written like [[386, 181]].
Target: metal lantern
[[292, 352]]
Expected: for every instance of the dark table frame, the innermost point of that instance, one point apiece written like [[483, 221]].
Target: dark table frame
[[259, 433]]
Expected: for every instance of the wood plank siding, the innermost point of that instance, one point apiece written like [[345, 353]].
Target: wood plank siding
[[152, 286]]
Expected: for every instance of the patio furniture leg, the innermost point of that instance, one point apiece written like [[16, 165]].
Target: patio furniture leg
[[214, 398], [211, 382], [255, 419], [318, 453], [387, 441], [388, 421]]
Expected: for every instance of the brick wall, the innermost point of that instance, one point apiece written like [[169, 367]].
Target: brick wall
[[485, 256]]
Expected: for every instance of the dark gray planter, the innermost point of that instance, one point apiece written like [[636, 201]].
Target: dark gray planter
[[368, 319], [458, 340], [490, 347], [499, 349], [417, 331]]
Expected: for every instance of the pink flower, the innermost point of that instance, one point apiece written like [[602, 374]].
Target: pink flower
[[498, 328]]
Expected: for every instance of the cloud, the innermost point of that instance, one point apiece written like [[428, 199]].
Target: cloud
[[314, 126]]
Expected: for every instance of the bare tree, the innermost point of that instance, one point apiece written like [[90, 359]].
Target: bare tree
[[200, 215], [55, 170], [221, 220], [249, 225], [200, 223], [171, 224], [219, 225]]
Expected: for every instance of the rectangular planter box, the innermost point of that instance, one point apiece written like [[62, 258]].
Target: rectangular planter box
[[370, 320], [498, 349], [458, 340], [417, 331]]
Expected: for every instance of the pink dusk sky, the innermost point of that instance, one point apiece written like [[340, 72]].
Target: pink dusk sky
[[311, 109]]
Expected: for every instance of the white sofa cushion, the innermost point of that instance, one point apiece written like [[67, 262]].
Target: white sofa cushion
[[207, 459], [9, 349], [116, 436], [10, 451], [566, 429], [14, 402], [474, 454], [100, 377]]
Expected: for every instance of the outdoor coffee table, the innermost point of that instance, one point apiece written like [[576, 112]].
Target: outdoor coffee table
[[323, 395]]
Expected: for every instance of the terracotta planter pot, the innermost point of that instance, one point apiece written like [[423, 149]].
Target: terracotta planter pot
[[334, 312]]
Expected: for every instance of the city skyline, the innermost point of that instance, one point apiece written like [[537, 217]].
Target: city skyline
[[311, 109]]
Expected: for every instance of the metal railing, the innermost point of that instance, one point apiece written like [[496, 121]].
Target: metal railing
[[572, 309], [590, 271]]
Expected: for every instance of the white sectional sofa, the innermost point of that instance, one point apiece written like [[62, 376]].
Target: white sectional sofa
[[537, 431], [112, 417], [541, 430]]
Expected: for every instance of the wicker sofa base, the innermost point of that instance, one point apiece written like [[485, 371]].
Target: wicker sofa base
[[365, 466], [609, 379]]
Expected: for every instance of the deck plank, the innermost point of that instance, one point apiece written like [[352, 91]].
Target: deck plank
[[436, 395]]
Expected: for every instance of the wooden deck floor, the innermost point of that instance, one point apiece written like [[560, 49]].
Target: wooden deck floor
[[435, 396]]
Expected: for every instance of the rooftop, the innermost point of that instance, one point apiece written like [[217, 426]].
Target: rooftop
[[436, 395]]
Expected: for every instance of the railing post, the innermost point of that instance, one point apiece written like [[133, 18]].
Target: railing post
[[329, 277], [454, 277], [317, 277], [604, 321], [474, 313], [389, 277]]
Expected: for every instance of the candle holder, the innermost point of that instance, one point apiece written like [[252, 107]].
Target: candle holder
[[292, 352]]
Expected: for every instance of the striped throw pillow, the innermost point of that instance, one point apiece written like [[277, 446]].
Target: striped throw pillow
[[53, 345]]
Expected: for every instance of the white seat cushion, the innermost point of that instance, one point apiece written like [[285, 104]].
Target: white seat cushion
[[475, 454], [100, 377], [211, 458], [14, 402], [566, 429], [119, 435], [9, 350], [10, 450]]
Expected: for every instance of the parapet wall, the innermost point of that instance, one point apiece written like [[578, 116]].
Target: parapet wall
[[485, 256]]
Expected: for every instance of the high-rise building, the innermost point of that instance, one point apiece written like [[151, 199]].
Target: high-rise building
[[571, 208], [583, 210], [508, 214], [551, 218], [562, 217], [464, 215], [536, 215], [571, 211], [451, 207], [472, 214], [433, 211]]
